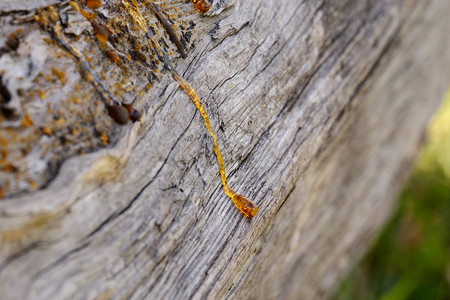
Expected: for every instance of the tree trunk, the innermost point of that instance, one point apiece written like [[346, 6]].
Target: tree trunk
[[319, 109]]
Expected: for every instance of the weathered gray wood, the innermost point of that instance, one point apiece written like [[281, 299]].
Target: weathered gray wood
[[319, 109]]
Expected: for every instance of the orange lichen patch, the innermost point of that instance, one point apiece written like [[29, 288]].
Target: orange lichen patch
[[49, 41], [85, 73], [26, 121], [112, 56], [13, 41], [100, 32], [141, 57], [88, 15], [202, 6], [49, 108], [104, 138], [61, 76], [60, 122], [3, 142], [76, 100], [1, 193], [46, 130], [41, 94], [93, 4], [69, 117], [8, 167], [33, 184], [118, 92]]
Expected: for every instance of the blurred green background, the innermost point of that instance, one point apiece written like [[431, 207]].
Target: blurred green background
[[411, 258]]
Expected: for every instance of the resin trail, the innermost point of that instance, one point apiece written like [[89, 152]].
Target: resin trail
[[246, 206]]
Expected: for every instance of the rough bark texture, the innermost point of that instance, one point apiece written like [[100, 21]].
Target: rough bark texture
[[319, 108]]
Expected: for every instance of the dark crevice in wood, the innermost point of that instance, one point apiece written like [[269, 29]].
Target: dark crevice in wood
[[22, 252], [60, 260]]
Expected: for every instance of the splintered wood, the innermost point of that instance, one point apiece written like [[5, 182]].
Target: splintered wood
[[65, 83]]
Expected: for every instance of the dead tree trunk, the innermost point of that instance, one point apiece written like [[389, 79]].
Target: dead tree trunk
[[319, 108]]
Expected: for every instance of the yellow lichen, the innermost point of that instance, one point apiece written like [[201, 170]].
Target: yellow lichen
[[26, 121], [46, 130], [107, 168], [136, 15], [33, 184], [27, 229], [41, 94], [104, 138], [61, 76]]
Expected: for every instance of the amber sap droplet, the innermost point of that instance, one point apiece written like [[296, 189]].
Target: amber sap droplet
[[113, 56], [246, 206], [118, 113], [202, 6]]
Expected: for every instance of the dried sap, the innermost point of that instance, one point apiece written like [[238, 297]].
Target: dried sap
[[202, 6], [246, 206]]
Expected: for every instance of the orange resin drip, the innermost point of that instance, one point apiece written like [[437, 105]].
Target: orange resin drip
[[245, 205], [202, 6]]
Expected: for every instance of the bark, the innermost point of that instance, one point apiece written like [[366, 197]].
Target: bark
[[319, 108]]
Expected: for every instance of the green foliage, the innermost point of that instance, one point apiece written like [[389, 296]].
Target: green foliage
[[411, 259]]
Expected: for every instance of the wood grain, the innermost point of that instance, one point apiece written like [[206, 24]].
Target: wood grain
[[319, 108]]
